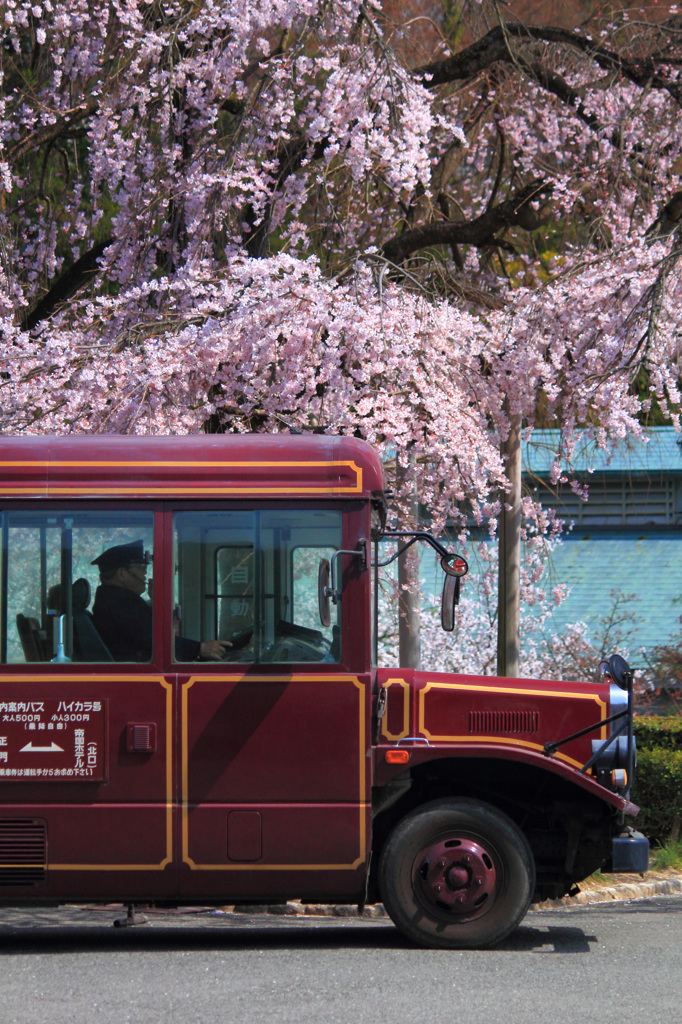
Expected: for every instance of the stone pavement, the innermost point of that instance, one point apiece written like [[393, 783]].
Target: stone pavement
[[597, 889], [605, 888]]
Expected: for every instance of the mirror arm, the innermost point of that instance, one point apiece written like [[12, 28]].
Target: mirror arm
[[415, 535], [360, 552], [452, 564]]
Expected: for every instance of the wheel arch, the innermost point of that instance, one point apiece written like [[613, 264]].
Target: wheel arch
[[569, 829]]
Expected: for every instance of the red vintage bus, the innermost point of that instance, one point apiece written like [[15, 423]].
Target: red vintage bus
[[225, 736]]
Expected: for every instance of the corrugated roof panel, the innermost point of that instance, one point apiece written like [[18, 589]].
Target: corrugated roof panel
[[598, 567], [658, 452]]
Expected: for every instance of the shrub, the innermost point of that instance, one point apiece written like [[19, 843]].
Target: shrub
[[659, 731], [658, 791]]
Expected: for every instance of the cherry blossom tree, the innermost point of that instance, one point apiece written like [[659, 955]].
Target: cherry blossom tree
[[346, 216]]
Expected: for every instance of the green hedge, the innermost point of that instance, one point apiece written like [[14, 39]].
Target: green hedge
[[659, 731], [658, 791]]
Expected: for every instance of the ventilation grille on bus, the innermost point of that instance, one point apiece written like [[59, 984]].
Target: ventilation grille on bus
[[497, 722], [23, 851]]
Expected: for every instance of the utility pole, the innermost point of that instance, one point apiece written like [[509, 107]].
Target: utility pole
[[509, 570]]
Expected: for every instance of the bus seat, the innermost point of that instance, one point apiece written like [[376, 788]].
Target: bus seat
[[32, 638], [87, 643]]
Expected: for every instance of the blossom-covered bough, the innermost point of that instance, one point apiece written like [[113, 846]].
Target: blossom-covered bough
[[264, 215]]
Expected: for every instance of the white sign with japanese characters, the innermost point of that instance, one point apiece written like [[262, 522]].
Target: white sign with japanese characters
[[52, 740]]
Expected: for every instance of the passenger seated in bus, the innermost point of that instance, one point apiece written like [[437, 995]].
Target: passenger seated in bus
[[124, 619]]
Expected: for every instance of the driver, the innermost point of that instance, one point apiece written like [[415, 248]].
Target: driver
[[124, 619]]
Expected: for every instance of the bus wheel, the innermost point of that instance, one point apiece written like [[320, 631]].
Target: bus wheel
[[457, 874]]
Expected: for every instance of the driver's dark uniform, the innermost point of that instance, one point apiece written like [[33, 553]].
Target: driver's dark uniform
[[124, 622]]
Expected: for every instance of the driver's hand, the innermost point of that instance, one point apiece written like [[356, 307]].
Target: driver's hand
[[214, 650]]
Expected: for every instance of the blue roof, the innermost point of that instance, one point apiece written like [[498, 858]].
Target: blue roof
[[632, 561], [599, 563], [659, 451], [598, 567], [643, 568]]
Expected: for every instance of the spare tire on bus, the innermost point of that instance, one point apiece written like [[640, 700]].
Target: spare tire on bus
[[457, 874]]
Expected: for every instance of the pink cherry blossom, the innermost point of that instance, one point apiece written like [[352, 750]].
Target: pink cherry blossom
[[261, 214]]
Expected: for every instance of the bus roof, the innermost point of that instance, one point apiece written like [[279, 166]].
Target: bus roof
[[196, 466]]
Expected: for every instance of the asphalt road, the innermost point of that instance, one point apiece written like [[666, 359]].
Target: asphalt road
[[619, 962]]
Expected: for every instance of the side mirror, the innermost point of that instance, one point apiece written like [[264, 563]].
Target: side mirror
[[323, 591], [454, 565], [327, 575], [620, 671], [449, 602]]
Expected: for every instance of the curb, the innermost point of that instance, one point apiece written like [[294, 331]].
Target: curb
[[294, 908], [621, 892]]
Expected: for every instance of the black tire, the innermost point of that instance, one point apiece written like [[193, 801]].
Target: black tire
[[457, 874]]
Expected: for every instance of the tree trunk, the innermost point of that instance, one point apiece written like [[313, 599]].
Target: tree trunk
[[409, 640], [508, 607], [408, 610]]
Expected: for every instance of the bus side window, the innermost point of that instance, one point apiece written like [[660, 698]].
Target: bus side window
[[234, 593], [48, 581], [250, 577], [305, 569]]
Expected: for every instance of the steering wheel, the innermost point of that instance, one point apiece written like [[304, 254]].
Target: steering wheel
[[294, 648], [240, 639]]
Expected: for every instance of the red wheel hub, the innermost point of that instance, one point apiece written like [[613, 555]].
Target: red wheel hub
[[456, 875]]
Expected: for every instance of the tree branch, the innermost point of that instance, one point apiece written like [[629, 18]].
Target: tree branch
[[517, 211], [50, 132], [66, 285], [290, 157], [493, 47]]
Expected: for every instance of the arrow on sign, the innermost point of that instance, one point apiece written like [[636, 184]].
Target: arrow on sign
[[29, 748]]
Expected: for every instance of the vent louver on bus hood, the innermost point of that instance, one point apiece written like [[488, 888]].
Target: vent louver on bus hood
[[23, 851], [501, 722]]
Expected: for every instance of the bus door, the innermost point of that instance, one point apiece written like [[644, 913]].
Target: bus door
[[86, 785], [273, 741]]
